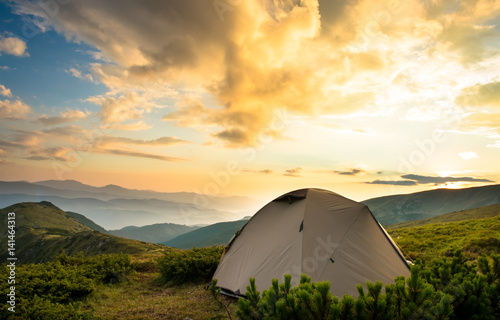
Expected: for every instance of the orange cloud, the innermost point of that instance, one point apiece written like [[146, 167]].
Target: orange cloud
[[294, 172], [5, 91], [67, 116], [13, 109], [480, 95], [245, 61]]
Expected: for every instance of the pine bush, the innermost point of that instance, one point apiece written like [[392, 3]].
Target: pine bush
[[448, 288]]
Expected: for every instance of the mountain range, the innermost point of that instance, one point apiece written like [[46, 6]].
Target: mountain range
[[134, 214], [114, 207], [43, 231]]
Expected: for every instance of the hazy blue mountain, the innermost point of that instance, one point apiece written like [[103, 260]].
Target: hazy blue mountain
[[114, 207], [216, 234], [232, 203], [427, 204], [156, 233]]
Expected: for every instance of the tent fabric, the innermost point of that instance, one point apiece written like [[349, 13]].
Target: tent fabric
[[312, 231]]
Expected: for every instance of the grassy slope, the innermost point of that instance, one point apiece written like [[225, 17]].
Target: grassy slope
[[427, 204], [155, 233], [86, 221], [215, 234], [475, 231], [43, 231], [41, 216], [478, 213]]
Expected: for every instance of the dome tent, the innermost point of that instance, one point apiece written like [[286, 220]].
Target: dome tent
[[313, 231]]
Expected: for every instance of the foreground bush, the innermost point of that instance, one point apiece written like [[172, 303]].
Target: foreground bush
[[195, 265], [54, 290], [445, 289]]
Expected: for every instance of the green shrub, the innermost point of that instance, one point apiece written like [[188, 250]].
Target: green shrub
[[54, 290], [445, 289], [195, 265]]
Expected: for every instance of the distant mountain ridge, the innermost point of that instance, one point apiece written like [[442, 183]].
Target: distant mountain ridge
[[114, 207], [427, 204]]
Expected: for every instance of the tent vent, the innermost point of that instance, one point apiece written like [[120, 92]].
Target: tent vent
[[301, 226], [293, 196]]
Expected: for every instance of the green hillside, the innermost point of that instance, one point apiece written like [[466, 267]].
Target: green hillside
[[43, 231], [87, 222], [427, 204], [43, 215], [155, 233], [215, 234], [433, 240], [477, 213]]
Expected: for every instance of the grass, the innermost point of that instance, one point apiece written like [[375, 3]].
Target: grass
[[142, 297], [474, 237], [478, 213]]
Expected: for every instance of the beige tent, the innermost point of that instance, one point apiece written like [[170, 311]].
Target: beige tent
[[311, 231]]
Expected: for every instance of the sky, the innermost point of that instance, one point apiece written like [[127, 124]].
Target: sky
[[254, 98]]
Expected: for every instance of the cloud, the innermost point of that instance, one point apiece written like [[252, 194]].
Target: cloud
[[307, 57], [263, 171], [78, 74], [5, 91], [13, 46], [468, 155], [261, 57], [69, 115], [163, 141], [134, 126], [31, 145], [295, 172], [468, 39], [55, 153], [350, 172], [480, 95], [394, 182], [481, 121], [66, 131], [413, 180], [438, 180], [13, 109], [125, 107], [138, 154], [61, 143]]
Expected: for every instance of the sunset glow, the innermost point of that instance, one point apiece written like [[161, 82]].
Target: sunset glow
[[254, 98]]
